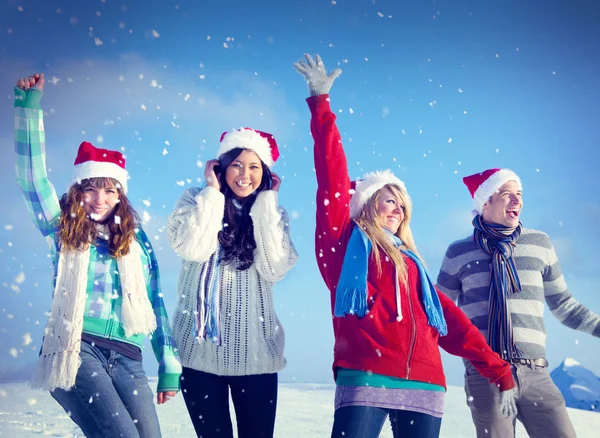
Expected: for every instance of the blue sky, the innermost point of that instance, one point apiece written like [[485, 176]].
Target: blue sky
[[433, 90]]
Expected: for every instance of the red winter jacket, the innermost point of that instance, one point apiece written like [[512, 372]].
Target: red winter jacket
[[377, 342]]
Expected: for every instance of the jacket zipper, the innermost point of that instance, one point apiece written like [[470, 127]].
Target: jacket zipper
[[111, 320], [413, 335]]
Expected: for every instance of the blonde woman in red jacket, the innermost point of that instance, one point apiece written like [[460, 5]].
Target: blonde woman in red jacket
[[389, 319]]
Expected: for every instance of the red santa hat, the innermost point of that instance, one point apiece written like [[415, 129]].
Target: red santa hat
[[368, 185], [93, 162], [483, 185], [262, 143]]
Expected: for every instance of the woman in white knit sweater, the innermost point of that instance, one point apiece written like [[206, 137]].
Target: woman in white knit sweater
[[235, 244]]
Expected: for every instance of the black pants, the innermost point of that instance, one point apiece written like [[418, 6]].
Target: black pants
[[207, 399]]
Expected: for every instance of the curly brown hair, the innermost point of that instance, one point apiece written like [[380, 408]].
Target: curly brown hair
[[77, 230]]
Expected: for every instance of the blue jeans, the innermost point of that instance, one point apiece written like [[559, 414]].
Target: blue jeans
[[111, 396], [254, 399], [367, 422]]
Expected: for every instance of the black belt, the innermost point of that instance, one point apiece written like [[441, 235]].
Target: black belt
[[542, 363]]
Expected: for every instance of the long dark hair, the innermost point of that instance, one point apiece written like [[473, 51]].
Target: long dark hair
[[237, 236], [77, 230]]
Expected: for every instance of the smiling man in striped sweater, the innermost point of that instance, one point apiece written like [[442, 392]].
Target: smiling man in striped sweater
[[500, 277]]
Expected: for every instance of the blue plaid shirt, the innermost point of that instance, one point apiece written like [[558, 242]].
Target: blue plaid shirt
[[103, 304]]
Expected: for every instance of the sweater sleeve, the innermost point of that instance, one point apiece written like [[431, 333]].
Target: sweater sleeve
[[465, 340], [193, 227], [275, 252], [163, 343], [30, 151], [333, 189], [448, 281], [563, 306]]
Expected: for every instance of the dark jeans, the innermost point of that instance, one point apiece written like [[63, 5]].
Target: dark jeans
[[367, 422], [207, 399], [111, 396]]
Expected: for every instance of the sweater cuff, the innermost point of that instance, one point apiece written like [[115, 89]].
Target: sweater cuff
[[168, 382], [266, 207], [506, 382], [322, 100], [28, 99]]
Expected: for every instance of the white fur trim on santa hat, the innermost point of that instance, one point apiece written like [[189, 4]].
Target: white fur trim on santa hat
[[247, 139], [491, 185], [368, 185], [97, 169]]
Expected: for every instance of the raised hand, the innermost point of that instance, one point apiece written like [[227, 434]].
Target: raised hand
[[317, 79], [210, 176], [34, 81]]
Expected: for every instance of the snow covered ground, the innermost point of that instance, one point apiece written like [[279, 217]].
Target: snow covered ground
[[305, 410]]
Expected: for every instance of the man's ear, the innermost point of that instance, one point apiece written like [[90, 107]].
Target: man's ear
[[485, 207]]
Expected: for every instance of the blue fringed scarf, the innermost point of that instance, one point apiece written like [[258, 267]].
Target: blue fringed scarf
[[208, 303], [499, 242], [207, 314], [351, 292]]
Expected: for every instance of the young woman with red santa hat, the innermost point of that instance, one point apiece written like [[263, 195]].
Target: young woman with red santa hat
[[107, 291], [235, 243], [389, 319]]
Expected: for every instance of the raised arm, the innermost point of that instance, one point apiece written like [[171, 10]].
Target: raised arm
[[30, 150], [333, 182], [275, 252]]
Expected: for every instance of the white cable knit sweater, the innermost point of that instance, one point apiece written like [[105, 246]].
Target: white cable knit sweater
[[252, 336]]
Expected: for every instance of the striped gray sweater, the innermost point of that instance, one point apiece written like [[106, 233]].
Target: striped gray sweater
[[465, 277]]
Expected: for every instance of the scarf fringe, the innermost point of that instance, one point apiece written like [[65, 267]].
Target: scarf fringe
[[58, 370], [436, 320], [136, 311], [350, 302], [207, 320]]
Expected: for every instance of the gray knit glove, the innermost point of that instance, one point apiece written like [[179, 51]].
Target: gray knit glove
[[317, 79], [508, 402]]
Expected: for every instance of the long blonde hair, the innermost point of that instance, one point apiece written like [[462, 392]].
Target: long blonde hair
[[369, 221]]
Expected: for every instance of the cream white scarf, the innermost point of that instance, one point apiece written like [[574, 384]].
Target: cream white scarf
[[59, 361]]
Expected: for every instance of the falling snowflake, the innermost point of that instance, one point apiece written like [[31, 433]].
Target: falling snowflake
[[27, 339]]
